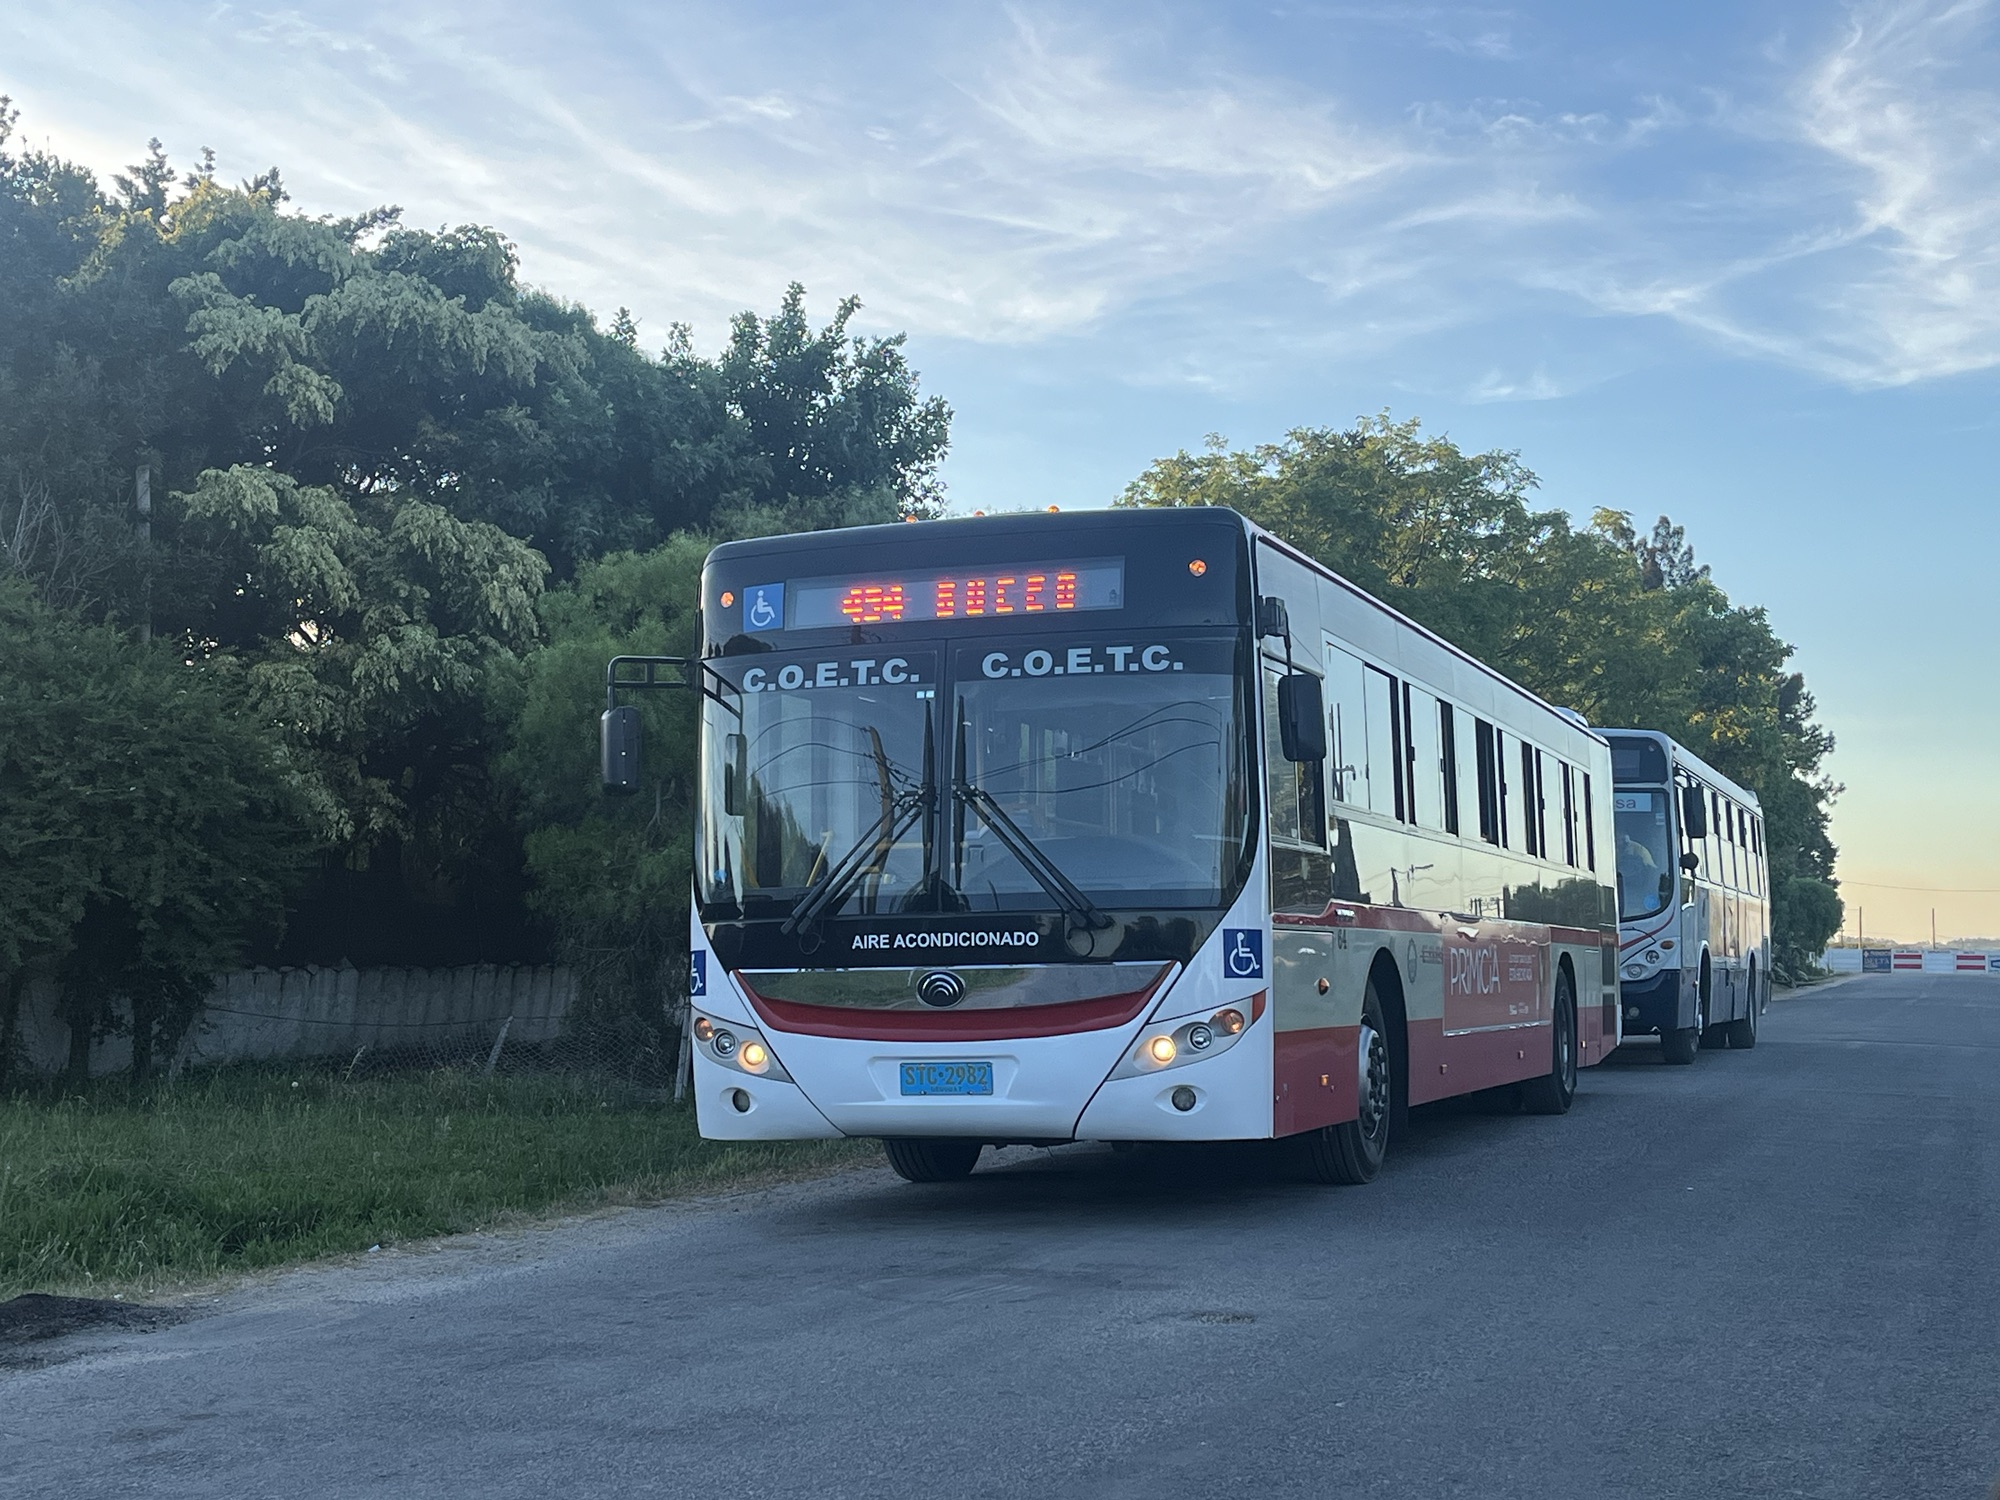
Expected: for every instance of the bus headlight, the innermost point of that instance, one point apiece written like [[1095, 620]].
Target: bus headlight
[[1175, 1044], [739, 1048]]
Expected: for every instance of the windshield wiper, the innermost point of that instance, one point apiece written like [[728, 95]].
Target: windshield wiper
[[838, 878], [1047, 874]]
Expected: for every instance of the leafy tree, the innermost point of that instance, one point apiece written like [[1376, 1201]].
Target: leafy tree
[[611, 876], [149, 826], [1626, 629], [419, 419]]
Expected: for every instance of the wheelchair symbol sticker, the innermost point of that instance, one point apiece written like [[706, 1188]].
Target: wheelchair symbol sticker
[[697, 974], [1242, 953], [764, 606]]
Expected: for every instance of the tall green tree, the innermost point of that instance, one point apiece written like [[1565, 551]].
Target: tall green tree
[[150, 826], [369, 444], [1625, 628]]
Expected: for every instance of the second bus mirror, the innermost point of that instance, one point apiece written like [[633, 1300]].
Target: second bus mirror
[[1694, 813], [618, 731], [1301, 717]]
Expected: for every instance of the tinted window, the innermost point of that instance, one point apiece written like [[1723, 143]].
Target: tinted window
[[1637, 760]]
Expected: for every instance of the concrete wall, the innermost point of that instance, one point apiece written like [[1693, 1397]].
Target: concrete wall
[[312, 1012]]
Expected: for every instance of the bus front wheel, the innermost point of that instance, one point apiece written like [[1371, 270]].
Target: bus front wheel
[[1353, 1151], [932, 1161], [1679, 1047]]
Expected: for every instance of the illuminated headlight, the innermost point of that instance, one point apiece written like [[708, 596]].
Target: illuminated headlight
[[740, 1048], [1174, 1044]]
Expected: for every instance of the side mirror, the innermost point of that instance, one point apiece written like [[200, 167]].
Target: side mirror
[[618, 731], [735, 772], [1301, 717], [1694, 813], [1690, 862]]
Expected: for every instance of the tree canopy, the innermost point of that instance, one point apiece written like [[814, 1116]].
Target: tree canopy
[[370, 447], [1624, 627]]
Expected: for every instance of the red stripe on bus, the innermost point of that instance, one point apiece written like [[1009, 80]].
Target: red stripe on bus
[[953, 1026], [1316, 1078]]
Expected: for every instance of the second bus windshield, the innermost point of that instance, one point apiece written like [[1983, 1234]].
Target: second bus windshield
[[1646, 866]]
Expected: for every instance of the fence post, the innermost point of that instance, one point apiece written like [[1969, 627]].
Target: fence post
[[493, 1057]]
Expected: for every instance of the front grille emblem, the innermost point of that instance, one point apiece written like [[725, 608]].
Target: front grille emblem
[[941, 988]]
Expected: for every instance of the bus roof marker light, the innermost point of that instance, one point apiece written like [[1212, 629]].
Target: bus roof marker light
[[1197, 567]]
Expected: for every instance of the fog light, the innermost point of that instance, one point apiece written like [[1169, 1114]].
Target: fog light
[[703, 1028], [724, 1043], [740, 1099], [1184, 1098], [754, 1056], [1161, 1049], [1228, 1022], [1631, 1012]]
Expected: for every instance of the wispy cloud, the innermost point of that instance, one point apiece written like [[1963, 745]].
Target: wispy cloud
[[1030, 175]]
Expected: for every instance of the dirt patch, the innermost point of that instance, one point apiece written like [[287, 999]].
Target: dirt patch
[[30, 1325]]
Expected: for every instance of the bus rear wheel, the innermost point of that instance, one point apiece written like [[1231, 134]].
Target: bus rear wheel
[[1743, 1033], [1555, 1091], [932, 1161], [1353, 1151]]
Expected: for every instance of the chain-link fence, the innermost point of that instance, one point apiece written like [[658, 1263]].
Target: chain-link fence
[[487, 1018]]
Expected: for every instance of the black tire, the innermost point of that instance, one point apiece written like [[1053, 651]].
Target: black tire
[[1743, 1033], [1555, 1091], [1680, 1047], [932, 1161], [1353, 1151]]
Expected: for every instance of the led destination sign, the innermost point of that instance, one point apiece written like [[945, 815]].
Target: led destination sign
[[889, 598]]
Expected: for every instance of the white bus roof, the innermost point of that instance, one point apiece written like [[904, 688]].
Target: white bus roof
[[1679, 754]]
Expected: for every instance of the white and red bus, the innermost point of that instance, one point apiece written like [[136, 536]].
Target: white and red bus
[[1694, 897], [1125, 826]]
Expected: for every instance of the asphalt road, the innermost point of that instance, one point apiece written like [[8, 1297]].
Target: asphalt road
[[1773, 1273]]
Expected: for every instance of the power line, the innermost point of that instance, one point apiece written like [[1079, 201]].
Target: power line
[[1935, 890]]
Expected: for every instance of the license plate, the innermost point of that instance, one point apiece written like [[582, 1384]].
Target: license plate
[[947, 1077]]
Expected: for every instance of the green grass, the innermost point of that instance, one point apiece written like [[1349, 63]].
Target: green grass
[[242, 1169]]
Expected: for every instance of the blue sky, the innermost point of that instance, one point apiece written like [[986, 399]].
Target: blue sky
[[1738, 263]]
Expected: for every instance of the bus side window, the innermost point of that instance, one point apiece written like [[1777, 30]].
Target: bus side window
[[1428, 778], [1448, 764], [1568, 814], [1347, 727], [1589, 824], [1486, 752], [1385, 789], [1531, 801]]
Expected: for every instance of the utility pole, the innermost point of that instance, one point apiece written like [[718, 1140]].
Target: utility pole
[[1934, 927], [142, 488]]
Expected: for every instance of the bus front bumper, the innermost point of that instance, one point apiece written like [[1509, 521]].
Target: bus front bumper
[[1652, 1005]]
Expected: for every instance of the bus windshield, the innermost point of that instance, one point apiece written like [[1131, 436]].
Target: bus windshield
[[1126, 773], [1133, 784], [1645, 853]]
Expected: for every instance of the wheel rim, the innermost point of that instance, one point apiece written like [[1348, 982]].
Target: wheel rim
[[1566, 1047], [1374, 1079]]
